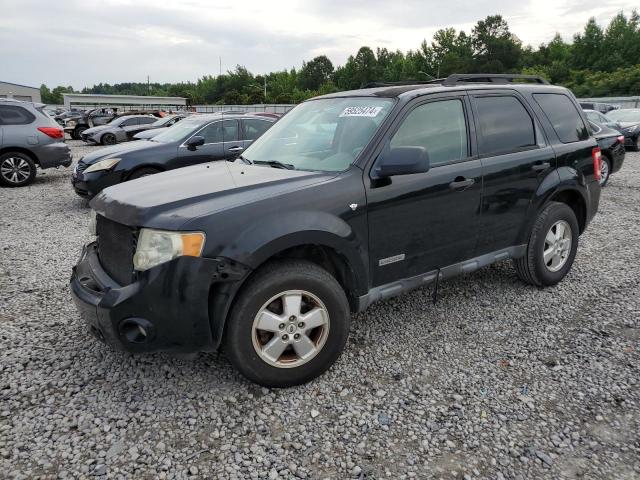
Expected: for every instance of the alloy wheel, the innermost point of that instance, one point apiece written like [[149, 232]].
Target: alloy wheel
[[15, 170], [557, 245], [290, 329], [604, 171]]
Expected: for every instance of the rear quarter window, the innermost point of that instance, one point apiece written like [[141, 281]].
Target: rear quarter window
[[563, 115], [14, 115]]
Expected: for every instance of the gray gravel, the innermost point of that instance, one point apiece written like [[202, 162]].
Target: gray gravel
[[498, 380]]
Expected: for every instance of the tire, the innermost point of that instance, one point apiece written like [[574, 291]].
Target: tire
[[605, 171], [108, 139], [17, 169], [77, 133], [532, 267], [636, 147], [324, 303], [143, 172]]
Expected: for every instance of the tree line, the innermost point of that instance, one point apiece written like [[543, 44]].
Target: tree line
[[598, 62]]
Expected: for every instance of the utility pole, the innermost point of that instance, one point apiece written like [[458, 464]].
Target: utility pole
[[265, 88], [148, 85], [220, 58]]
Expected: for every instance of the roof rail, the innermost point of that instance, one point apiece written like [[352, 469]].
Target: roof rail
[[458, 78], [401, 84]]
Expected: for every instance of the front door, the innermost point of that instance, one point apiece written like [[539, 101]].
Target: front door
[[422, 222], [221, 142]]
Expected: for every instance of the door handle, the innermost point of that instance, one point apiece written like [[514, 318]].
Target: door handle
[[461, 183], [236, 149], [540, 166]]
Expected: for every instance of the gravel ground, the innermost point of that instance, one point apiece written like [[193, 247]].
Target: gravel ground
[[498, 380]]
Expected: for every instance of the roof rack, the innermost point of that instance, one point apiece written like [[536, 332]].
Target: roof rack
[[457, 78]]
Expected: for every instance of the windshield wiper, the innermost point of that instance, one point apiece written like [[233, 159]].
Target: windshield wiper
[[245, 159], [275, 164]]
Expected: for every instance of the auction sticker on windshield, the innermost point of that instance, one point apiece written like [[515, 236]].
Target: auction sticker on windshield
[[361, 111]]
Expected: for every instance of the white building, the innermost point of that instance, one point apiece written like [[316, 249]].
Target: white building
[[19, 92]]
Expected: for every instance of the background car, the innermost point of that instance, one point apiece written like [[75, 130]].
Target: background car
[[611, 143], [120, 129], [598, 106], [29, 138], [629, 120], [602, 119], [157, 127], [197, 139]]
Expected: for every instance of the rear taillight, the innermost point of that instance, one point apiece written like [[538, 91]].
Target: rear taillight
[[621, 138], [52, 132], [596, 154]]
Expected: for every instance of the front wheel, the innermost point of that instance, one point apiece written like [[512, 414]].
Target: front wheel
[[289, 324], [636, 147], [109, 139], [552, 246]]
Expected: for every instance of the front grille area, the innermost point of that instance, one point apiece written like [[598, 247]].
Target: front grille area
[[116, 246]]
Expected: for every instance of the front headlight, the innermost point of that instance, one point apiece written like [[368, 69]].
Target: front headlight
[[70, 123], [160, 246], [107, 164]]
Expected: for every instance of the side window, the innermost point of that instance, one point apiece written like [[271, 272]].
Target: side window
[[505, 125], [593, 116], [217, 133], [439, 127], [146, 120], [129, 121], [13, 115], [254, 128], [563, 115]]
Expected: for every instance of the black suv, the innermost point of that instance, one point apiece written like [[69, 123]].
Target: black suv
[[350, 198]]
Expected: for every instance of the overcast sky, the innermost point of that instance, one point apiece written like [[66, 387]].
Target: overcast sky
[[80, 43]]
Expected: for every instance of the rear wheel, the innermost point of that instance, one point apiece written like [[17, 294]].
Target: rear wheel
[[289, 324], [17, 169], [605, 171], [552, 246], [636, 148], [108, 139]]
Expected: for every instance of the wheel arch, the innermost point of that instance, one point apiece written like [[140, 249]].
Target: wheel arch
[[23, 150], [143, 166]]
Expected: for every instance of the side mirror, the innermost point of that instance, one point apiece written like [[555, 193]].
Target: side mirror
[[402, 161], [195, 141]]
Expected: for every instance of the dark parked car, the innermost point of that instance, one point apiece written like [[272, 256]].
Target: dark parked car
[[598, 106], [629, 120], [602, 119], [120, 129], [611, 143], [29, 138], [157, 127], [268, 255], [197, 139]]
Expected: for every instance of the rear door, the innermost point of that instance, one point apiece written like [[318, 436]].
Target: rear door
[[515, 157]]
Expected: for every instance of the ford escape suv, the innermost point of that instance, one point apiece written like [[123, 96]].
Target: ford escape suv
[[350, 198], [29, 138]]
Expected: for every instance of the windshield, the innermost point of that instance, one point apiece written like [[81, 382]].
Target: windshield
[[322, 135], [625, 115], [162, 121], [178, 131]]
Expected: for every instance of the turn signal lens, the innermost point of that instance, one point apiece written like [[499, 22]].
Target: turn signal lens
[[192, 244], [596, 154], [621, 138]]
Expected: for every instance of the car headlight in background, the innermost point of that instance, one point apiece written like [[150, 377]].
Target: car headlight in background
[[107, 164], [70, 123], [160, 246]]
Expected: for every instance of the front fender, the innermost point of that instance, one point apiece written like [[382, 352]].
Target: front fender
[[275, 233]]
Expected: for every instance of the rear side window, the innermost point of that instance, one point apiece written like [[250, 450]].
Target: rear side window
[[13, 115], [563, 115], [254, 128], [146, 120], [439, 127], [505, 125], [216, 133]]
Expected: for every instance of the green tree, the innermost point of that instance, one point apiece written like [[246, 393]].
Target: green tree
[[315, 72], [496, 49]]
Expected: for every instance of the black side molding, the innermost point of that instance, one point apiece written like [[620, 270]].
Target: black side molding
[[398, 287]]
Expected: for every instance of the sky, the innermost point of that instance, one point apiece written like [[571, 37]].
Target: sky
[[82, 43]]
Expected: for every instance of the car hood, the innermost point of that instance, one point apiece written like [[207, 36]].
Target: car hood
[[168, 200], [628, 124], [119, 150], [100, 128]]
